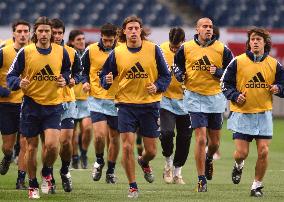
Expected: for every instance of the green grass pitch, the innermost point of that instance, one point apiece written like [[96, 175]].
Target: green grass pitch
[[220, 188]]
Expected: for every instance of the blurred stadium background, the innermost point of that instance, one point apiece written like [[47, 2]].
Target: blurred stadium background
[[232, 16]]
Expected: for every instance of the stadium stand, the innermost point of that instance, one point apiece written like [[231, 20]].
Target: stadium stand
[[242, 13], [88, 12]]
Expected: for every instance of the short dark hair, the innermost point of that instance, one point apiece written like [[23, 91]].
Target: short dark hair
[[20, 22], [43, 20], [109, 29], [72, 35], [176, 35], [57, 24], [262, 33], [133, 18]]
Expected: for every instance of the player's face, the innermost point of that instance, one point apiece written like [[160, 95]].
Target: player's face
[[58, 35], [205, 29], [79, 42], [108, 41], [133, 31], [43, 34], [174, 47], [22, 34], [257, 44]]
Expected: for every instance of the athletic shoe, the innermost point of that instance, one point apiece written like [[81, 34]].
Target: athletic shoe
[[168, 174], [111, 178], [46, 185], [208, 169], [148, 173], [201, 187], [132, 193], [4, 166], [178, 180], [33, 193], [20, 185], [66, 182], [236, 175], [256, 192], [97, 171], [84, 162], [75, 162]]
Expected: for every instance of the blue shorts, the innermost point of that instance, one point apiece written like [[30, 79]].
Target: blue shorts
[[253, 124], [143, 119], [36, 118], [67, 123], [83, 110], [112, 121], [212, 121], [104, 106], [9, 118], [69, 113], [70, 110], [249, 138]]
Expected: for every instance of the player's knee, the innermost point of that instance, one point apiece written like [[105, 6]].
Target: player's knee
[[151, 151], [263, 152], [99, 138], [242, 154], [127, 148], [201, 141]]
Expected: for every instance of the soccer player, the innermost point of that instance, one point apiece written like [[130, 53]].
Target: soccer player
[[69, 105], [200, 63], [101, 101], [142, 74], [10, 104], [41, 70], [77, 41], [249, 83], [172, 114]]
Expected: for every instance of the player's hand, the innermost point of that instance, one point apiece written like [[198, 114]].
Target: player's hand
[[213, 69], [72, 82], [109, 78], [274, 89], [24, 83], [86, 87], [242, 98], [61, 81], [151, 88]]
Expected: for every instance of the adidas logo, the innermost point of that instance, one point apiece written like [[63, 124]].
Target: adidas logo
[[257, 82], [202, 64], [46, 74], [136, 72]]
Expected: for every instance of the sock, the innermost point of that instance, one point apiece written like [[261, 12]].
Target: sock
[[209, 158], [75, 158], [52, 179], [33, 183], [46, 171], [21, 174], [8, 157], [177, 171], [133, 185], [110, 167], [83, 152], [241, 165], [256, 184], [64, 167], [202, 178], [144, 163], [100, 158], [169, 161]]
